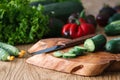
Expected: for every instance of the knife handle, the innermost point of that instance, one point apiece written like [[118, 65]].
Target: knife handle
[[77, 41]]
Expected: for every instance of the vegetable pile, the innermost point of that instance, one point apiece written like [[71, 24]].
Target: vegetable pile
[[58, 12], [96, 43], [109, 17], [20, 23], [9, 52], [99, 42], [72, 53]]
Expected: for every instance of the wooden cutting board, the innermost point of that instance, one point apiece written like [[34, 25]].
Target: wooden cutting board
[[90, 64]]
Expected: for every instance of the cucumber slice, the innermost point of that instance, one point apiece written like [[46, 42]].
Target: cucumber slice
[[72, 51], [80, 48], [58, 54], [68, 55], [77, 50], [89, 45]]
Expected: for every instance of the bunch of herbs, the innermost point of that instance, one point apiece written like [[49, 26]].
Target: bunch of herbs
[[20, 23]]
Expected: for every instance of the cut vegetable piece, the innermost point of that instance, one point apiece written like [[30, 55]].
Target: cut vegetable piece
[[89, 45], [95, 43], [71, 51], [80, 48], [99, 41], [58, 54], [68, 55], [77, 50]]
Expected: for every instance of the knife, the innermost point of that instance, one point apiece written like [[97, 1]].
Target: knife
[[71, 43]]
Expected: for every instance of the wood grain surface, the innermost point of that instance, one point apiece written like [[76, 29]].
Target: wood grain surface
[[90, 64], [20, 70]]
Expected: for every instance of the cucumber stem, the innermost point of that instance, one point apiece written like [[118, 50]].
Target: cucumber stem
[[21, 53], [10, 58]]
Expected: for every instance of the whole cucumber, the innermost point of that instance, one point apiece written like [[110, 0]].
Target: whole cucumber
[[36, 3], [5, 56], [113, 45], [55, 26], [113, 28], [62, 10], [12, 50], [115, 17]]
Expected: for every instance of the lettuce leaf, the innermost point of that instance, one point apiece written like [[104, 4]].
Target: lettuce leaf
[[20, 23]]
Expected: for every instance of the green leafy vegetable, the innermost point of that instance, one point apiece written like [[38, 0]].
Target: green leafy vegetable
[[55, 0], [20, 23], [64, 0]]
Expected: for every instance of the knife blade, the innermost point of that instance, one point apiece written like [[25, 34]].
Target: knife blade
[[57, 47], [65, 44]]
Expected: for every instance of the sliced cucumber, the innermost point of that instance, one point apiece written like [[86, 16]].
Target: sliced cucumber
[[68, 55], [78, 50], [95, 43], [89, 45], [58, 54], [99, 41]]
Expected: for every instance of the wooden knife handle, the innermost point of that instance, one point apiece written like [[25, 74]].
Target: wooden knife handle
[[77, 41]]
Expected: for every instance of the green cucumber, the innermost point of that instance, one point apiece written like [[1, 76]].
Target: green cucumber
[[113, 45], [12, 50], [115, 17], [62, 10], [95, 43], [78, 50], [55, 28], [113, 28], [72, 53], [68, 55], [5, 56], [58, 54], [89, 45], [36, 3]]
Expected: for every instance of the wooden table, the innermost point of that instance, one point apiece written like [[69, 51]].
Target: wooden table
[[20, 70]]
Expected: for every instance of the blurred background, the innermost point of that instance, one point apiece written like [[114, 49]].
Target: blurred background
[[93, 6]]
